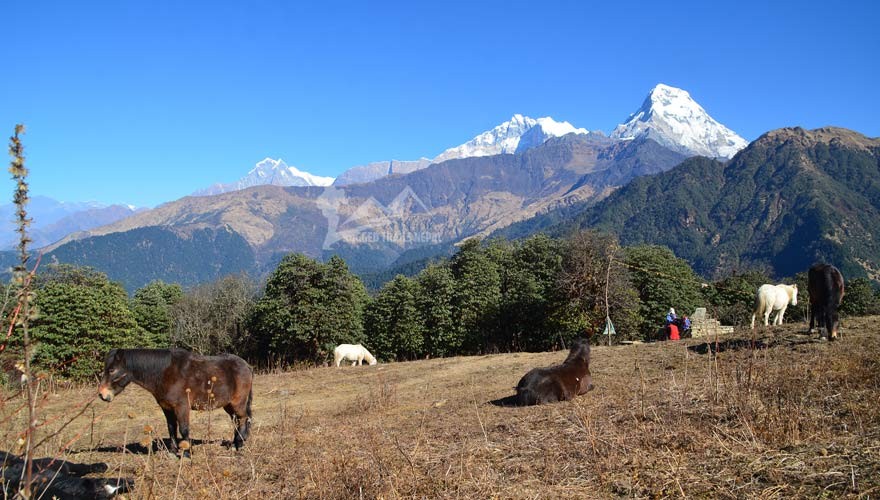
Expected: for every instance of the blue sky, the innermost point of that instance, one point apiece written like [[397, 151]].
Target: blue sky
[[143, 102]]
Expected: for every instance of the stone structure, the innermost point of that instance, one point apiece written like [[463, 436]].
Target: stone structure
[[704, 326]]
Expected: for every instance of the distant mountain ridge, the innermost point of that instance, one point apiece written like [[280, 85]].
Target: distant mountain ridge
[[372, 224], [793, 197], [513, 136], [53, 219], [668, 115]]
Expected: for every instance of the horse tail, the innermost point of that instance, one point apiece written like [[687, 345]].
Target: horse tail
[[756, 308], [250, 400]]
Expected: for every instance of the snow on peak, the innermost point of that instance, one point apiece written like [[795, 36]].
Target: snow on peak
[[671, 117], [269, 171], [508, 137], [558, 129]]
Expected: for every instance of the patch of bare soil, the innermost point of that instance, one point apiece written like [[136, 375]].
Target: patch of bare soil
[[769, 414]]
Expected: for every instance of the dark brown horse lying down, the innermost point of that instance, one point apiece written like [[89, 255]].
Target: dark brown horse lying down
[[560, 382], [181, 381], [58, 478]]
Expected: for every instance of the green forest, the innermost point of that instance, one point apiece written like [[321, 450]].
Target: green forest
[[490, 296]]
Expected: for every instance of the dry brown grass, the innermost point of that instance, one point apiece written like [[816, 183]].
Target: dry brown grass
[[791, 418]]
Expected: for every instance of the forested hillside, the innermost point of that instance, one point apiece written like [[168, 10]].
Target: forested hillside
[[791, 198]]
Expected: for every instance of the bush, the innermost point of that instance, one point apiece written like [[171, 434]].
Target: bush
[[82, 315]]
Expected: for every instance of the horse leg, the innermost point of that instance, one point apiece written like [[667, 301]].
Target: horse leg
[[830, 324], [767, 316], [812, 317], [753, 319], [241, 424], [778, 319], [182, 415], [171, 420]]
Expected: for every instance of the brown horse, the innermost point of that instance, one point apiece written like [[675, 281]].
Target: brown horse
[[560, 382], [826, 287], [180, 381]]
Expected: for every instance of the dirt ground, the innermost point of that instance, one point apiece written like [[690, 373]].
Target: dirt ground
[[769, 414]]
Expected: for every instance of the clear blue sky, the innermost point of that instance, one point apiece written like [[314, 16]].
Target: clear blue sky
[[143, 102]]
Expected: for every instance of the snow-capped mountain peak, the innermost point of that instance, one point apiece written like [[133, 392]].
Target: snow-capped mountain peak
[[671, 117], [269, 171], [508, 137], [283, 174]]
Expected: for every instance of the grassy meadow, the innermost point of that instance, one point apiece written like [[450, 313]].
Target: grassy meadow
[[769, 414]]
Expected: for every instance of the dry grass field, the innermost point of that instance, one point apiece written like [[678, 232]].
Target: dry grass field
[[777, 415]]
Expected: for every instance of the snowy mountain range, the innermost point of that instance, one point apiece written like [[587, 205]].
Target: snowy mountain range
[[513, 136], [668, 115], [671, 117]]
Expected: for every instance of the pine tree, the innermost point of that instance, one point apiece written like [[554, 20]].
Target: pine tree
[[152, 309], [478, 288], [393, 321], [663, 281], [82, 316], [435, 297], [307, 309]]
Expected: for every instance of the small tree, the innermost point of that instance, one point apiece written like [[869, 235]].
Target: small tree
[[394, 326], [663, 281], [435, 296], [152, 309], [478, 288], [82, 316], [583, 282], [859, 299], [307, 309], [733, 298], [210, 319], [22, 279]]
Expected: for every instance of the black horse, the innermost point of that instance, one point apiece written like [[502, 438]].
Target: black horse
[[560, 382], [180, 381], [826, 289]]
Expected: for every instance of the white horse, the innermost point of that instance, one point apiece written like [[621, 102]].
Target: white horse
[[774, 298], [355, 353]]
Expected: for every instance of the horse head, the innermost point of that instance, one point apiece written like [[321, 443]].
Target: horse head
[[580, 351], [369, 357], [794, 294], [115, 377]]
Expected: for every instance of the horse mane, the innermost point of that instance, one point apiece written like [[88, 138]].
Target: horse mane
[[147, 365]]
